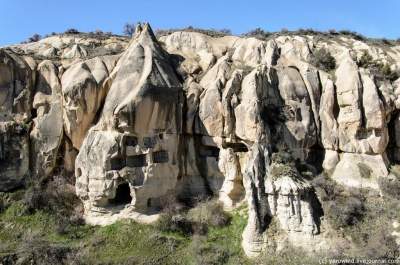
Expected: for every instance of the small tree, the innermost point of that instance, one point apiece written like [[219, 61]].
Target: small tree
[[71, 31], [129, 29], [323, 59], [34, 38]]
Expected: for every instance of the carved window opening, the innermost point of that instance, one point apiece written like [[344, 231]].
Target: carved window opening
[[237, 147], [122, 195], [149, 142], [378, 132], [209, 151], [136, 161], [160, 157], [131, 141], [117, 163]]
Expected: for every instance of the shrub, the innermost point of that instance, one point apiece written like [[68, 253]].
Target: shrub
[[209, 213], [129, 29], [71, 31], [341, 207], [390, 186], [372, 237], [352, 34], [195, 221], [323, 59], [258, 33], [289, 255], [55, 196], [42, 252], [381, 71], [34, 38], [174, 223], [209, 32], [365, 60], [308, 31], [332, 32], [203, 253]]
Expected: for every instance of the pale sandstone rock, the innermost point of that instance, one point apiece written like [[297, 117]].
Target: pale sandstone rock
[[301, 131], [47, 131], [75, 52], [349, 89], [16, 85], [247, 112], [211, 119], [289, 199], [232, 189], [145, 138], [361, 170], [136, 141], [84, 89], [253, 52], [253, 240], [331, 159], [329, 126]]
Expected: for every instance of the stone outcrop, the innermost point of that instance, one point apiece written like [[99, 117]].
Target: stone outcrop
[[14, 155], [137, 139], [142, 121], [47, 131]]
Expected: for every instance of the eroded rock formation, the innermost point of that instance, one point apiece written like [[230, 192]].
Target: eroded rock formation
[[188, 115]]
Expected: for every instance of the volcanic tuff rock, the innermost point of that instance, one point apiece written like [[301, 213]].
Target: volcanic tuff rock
[[188, 115]]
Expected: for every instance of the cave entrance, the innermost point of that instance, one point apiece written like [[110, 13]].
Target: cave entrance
[[122, 195]]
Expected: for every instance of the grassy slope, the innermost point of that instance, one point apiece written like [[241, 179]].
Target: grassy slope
[[127, 242], [124, 242]]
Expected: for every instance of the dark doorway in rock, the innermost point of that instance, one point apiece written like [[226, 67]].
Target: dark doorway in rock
[[122, 195]]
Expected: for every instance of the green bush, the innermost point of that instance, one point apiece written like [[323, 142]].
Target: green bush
[[258, 33], [209, 32], [390, 186], [71, 31], [204, 253], [342, 207], [323, 59], [288, 256], [175, 223], [352, 34], [372, 237], [209, 213], [129, 29], [381, 71], [196, 221]]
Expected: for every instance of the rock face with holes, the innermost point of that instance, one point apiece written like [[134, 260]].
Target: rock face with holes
[[145, 121], [136, 140]]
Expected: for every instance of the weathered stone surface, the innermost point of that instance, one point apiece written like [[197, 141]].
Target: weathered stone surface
[[327, 113], [349, 93], [247, 110], [47, 131], [16, 85], [361, 170], [232, 189], [257, 200], [84, 89], [136, 141], [144, 121], [14, 155], [301, 131]]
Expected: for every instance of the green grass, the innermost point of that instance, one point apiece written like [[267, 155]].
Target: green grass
[[124, 242]]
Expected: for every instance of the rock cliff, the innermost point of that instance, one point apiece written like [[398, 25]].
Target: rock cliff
[[139, 121]]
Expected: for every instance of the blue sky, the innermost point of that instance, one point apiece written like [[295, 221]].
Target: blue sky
[[19, 19]]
